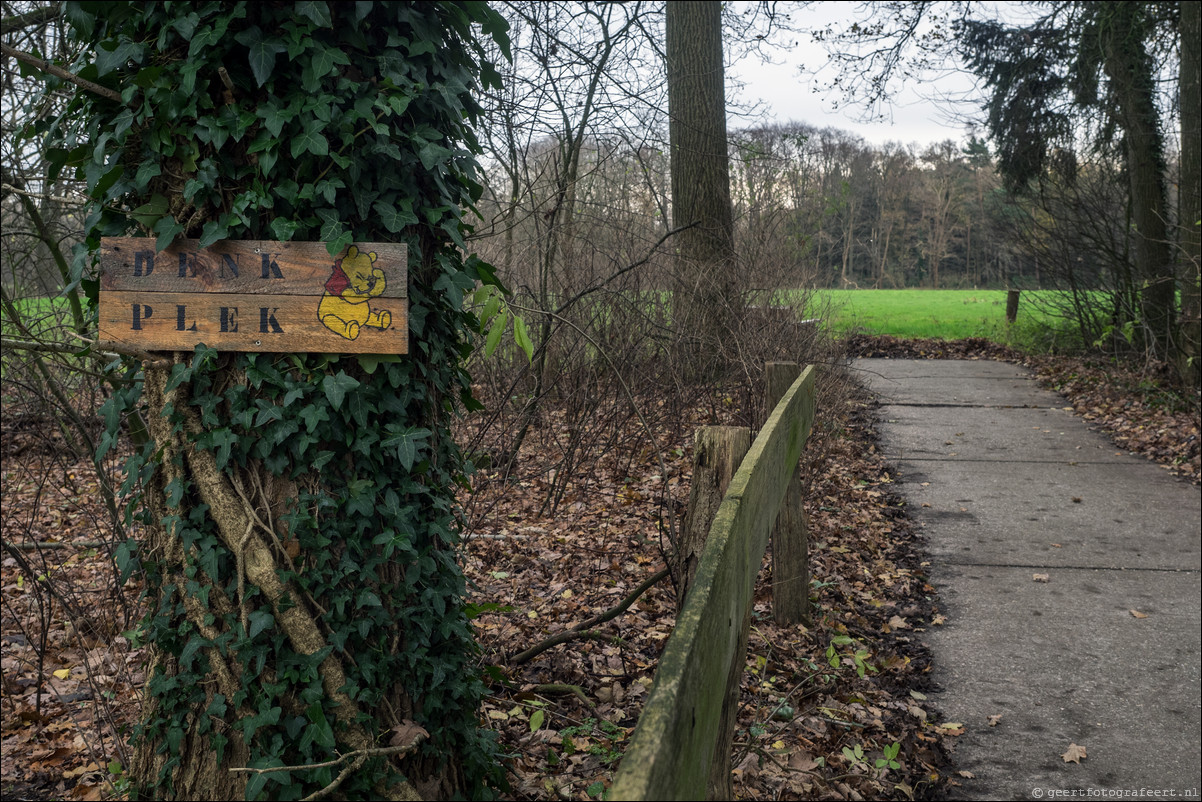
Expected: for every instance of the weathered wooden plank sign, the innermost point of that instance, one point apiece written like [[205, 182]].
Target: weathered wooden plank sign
[[252, 295]]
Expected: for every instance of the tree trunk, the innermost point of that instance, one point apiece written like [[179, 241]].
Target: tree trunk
[[705, 292], [1190, 203], [1130, 69]]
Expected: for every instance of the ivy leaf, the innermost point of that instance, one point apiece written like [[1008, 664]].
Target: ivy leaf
[[167, 230], [147, 171], [395, 217], [261, 52], [214, 230], [259, 621], [149, 213], [336, 387], [406, 443], [312, 141], [283, 229], [316, 11]]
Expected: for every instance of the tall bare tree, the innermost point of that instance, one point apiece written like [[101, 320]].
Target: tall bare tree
[[706, 294]]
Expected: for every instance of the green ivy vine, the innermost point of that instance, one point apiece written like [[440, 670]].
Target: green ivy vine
[[340, 122]]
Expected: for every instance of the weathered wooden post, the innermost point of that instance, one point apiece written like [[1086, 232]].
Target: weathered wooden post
[[1011, 306], [790, 539], [672, 752], [718, 451]]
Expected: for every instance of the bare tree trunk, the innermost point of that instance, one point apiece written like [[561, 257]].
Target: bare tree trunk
[[705, 293]]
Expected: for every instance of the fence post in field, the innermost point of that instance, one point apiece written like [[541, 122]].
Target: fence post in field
[[717, 452], [790, 538], [1011, 306]]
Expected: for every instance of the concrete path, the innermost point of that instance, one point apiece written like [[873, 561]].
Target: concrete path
[[1069, 575]]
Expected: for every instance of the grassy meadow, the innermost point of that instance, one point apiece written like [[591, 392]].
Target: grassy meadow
[[942, 314]]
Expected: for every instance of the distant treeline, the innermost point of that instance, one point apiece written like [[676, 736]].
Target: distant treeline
[[813, 207]]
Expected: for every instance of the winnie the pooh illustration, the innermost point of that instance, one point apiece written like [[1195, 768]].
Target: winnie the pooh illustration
[[344, 309]]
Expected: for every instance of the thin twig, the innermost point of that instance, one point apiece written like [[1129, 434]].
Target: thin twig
[[70, 544], [80, 201], [375, 751], [576, 631], [55, 70], [149, 359]]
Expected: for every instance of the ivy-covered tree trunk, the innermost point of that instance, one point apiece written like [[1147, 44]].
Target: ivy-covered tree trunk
[[305, 602], [1189, 209]]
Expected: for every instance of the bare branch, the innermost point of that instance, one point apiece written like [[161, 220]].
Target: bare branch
[[30, 19], [579, 630], [59, 72]]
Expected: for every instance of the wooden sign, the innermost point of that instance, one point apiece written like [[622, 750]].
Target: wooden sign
[[250, 295]]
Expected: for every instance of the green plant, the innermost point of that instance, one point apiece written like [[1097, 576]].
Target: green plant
[[858, 657], [889, 761], [604, 739], [854, 756]]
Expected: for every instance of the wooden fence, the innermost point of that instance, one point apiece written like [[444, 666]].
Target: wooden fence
[[683, 735]]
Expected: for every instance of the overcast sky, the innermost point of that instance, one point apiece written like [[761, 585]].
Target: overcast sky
[[922, 113]]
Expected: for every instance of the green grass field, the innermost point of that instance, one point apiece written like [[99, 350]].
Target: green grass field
[[943, 314]]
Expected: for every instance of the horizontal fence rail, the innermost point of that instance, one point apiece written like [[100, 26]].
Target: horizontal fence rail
[[671, 751]]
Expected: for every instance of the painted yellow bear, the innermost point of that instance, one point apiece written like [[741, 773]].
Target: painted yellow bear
[[344, 308]]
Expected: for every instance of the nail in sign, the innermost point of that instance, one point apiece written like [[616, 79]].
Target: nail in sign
[[252, 295]]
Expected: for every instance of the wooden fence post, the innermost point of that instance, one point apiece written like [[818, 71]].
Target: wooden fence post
[[671, 753], [1012, 306], [790, 538], [717, 453]]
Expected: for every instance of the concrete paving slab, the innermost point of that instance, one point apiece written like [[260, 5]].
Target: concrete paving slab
[[935, 382], [1076, 667], [991, 469], [1130, 515], [998, 433]]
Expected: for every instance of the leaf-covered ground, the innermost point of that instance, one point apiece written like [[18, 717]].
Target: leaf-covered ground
[[545, 556]]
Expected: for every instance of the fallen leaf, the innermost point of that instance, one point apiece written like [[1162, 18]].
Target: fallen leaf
[[993, 720], [748, 769], [1138, 614], [951, 728], [919, 695], [1040, 577], [63, 673], [897, 622], [1075, 754], [968, 775], [406, 733]]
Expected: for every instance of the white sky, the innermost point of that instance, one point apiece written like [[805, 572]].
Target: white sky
[[789, 95]]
